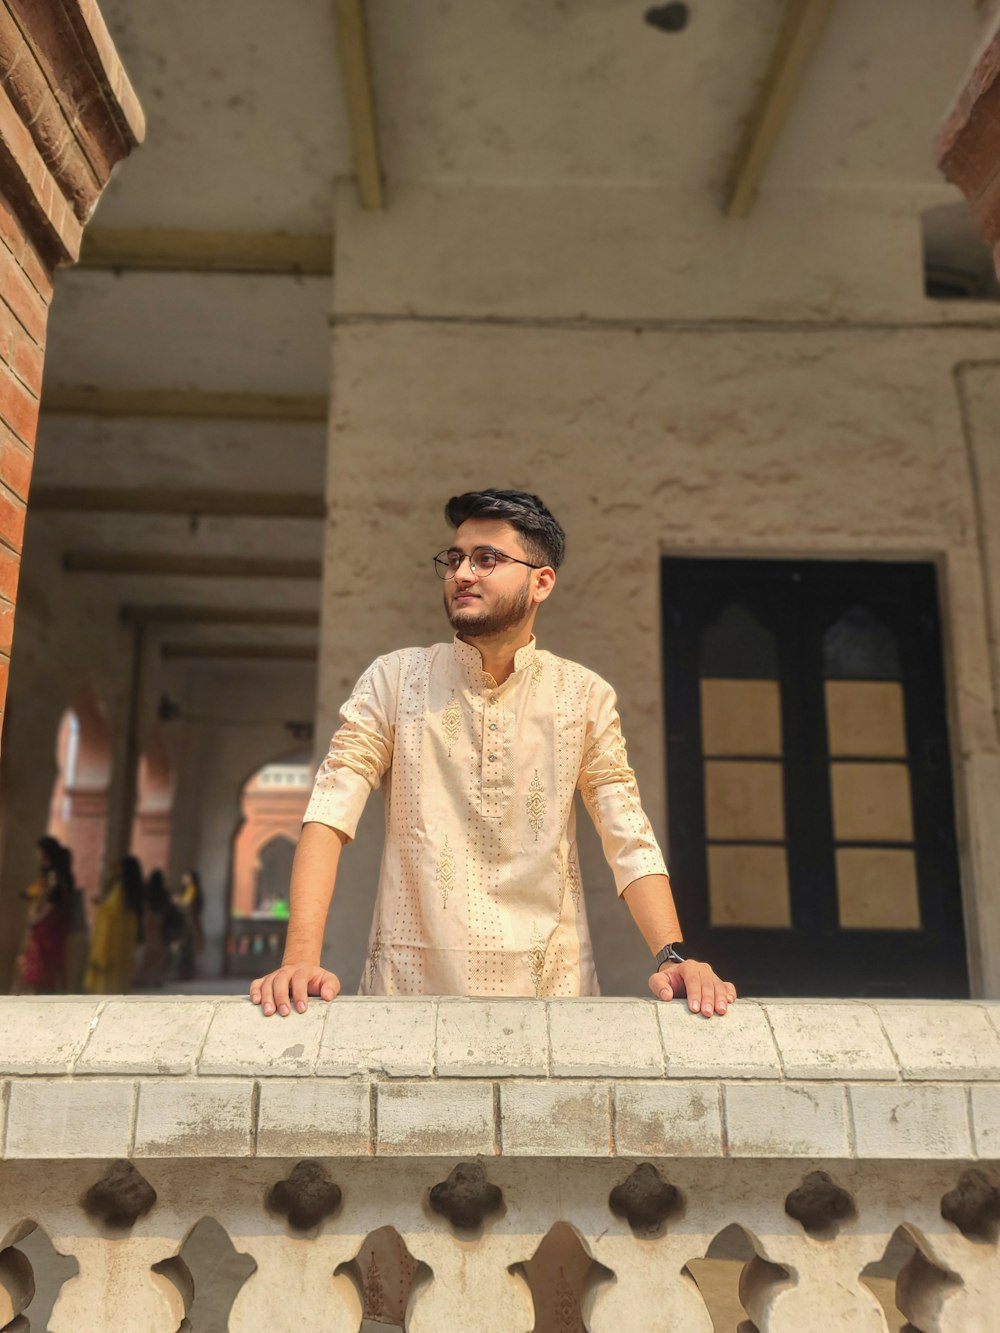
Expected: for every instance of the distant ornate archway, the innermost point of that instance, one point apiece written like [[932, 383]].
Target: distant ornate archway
[[78, 810], [272, 803]]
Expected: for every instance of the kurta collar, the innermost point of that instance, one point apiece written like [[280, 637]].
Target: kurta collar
[[469, 656]]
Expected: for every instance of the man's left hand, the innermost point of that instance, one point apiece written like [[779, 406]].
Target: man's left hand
[[706, 993]]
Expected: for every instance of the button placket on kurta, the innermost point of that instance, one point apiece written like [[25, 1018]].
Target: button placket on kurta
[[493, 751]]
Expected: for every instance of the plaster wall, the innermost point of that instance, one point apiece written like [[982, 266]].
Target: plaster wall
[[823, 440]]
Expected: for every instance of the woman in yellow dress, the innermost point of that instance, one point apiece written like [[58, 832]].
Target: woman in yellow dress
[[116, 933]]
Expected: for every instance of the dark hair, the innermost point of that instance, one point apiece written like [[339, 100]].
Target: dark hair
[[133, 889], [52, 850], [542, 537], [59, 870], [157, 897]]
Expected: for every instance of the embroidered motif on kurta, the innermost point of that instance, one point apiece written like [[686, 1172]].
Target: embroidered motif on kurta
[[536, 960], [446, 873], [535, 805], [451, 720]]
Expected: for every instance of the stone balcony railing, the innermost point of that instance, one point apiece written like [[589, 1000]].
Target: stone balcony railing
[[615, 1165]]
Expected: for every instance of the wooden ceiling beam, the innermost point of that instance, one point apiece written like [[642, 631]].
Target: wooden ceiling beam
[[158, 249], [154, 500], [178, 404], [190, 566], [275, 652], [801, 29], [359, 89], [137, 614]]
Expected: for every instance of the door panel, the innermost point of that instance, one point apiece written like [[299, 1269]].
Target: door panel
[[811, 831]]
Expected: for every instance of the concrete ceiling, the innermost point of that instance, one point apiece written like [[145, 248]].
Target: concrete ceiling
[[585, 90], [248, 132], [245, 120]]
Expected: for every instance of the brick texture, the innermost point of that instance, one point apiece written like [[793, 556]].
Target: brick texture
[[12, 515], [10, 566], [18, 409], [16, 460], [67, 115], [968, 147], [24, 252], [6, 626]]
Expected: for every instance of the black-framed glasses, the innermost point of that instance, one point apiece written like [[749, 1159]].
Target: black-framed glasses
[[483, 560]]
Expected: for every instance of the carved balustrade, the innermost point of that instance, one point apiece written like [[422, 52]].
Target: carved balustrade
[[492, 1166]]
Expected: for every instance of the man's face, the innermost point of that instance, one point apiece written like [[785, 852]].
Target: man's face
[[481, 607]]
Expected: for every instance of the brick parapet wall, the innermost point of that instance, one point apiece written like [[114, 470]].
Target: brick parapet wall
[[968, 147], [791, 1080], [67, 116]]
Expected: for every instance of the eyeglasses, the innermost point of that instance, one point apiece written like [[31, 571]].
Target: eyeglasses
[[482, 562]]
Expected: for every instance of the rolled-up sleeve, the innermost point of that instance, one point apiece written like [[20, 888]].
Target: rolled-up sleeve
[[611, 795], [360, 752]]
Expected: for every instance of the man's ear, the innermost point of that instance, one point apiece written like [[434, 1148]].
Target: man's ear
[[545, 581]]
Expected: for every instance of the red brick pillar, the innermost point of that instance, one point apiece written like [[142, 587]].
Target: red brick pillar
[[968, 148], [68, 114]]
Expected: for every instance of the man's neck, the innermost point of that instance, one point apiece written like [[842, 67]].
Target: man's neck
[[498, 652]]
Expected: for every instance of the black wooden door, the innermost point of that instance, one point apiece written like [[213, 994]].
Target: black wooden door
[[811, 821]]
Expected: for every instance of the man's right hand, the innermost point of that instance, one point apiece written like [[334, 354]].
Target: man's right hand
[[290, 985]]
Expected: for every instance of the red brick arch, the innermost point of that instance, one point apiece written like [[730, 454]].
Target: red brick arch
[[272, 803], [78, 811]]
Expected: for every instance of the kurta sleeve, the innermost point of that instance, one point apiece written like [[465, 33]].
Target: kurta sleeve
[[611, 796], [360, 751]]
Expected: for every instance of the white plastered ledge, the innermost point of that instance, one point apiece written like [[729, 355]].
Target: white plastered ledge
[[176, 1077]]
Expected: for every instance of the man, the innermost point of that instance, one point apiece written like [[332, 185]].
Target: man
[[479, 746]]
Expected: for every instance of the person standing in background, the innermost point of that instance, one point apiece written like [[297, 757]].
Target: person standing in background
[[41, 964], [191, 940], [116, 933]]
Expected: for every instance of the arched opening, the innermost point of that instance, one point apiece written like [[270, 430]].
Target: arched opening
[[78, 809], [154, 806], [272, 803], [273, 874]]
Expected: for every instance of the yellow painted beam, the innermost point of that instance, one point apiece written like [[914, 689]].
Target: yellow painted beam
[[799, 35], [82, 400], [162, 248], [359, 89]]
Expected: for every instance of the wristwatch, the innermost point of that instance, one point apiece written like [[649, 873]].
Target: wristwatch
[[669, 954]]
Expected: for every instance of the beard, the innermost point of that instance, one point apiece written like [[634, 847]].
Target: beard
[[507, 613]]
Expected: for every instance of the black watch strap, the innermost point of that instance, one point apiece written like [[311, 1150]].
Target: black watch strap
[[669, 954]]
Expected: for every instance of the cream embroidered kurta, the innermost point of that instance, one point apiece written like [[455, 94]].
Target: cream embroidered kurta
[[479, 891]]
